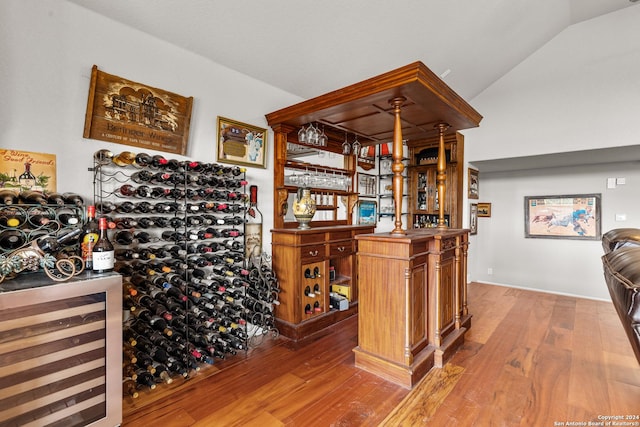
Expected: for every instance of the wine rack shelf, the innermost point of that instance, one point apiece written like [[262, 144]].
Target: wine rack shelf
[[22, 223], [191, 296]]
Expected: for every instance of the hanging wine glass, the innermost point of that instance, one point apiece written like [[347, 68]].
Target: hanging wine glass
[[322, 139], [312, 134], [302, 134], [356, 147], [346, 148]]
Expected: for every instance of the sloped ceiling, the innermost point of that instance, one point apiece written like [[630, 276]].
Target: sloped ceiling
[[310, 47]]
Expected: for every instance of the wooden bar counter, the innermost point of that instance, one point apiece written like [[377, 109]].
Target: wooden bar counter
[[412, 311]]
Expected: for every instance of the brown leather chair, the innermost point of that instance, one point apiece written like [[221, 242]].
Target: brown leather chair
[[622, 275], [620, 237]]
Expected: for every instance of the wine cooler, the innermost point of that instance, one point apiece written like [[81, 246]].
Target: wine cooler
[[190, 295], [59, 351]]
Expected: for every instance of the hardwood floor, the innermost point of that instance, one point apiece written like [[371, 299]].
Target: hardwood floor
[[530, 359]]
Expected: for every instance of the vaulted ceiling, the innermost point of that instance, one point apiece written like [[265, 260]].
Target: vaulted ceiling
[[310, 47]]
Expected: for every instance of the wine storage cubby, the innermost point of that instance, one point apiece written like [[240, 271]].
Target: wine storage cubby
[[314, 300], [190, 296]]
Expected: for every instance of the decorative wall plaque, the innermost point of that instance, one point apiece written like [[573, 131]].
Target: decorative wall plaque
[[130, 113]]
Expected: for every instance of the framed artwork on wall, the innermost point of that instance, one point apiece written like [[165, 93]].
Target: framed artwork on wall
[[484, 210], [241, 144], [367, 212], [573, 216], [474, 184], [131, 113], [473, 218]]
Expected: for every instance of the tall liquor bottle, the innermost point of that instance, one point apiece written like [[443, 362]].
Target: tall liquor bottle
[[27, 179], [89, 237], [103, 252], [253, 227]]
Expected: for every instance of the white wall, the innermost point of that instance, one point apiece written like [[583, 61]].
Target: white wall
[[580, 91], [47, 49], [554, 265]]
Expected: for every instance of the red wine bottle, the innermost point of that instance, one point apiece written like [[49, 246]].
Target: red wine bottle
[[143, 160], [103, 252], [89, 237]]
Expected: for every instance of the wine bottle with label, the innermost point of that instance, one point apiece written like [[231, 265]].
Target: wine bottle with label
[[103, 252], [89, 237]]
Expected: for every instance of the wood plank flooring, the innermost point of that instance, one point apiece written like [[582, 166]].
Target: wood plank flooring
[[530, 359]]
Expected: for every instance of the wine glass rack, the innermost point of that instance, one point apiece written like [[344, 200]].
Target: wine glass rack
[[191, 293]]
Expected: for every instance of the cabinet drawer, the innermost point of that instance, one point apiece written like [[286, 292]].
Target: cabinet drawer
[[312, 253], [341, 248], [340, 235]]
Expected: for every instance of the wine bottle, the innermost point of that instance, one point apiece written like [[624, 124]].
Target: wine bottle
[[141, 177], [143, 207], [105, 207], [125, 207], [129, 386], [73, 199], [36, 216], [32, 197], [103, 251], [68, 217], [11, 239], [103, 157], [127, 190], [12, 217], [89, 237], [51, 244], [158, 162], [124, 158], [143, 160], [8, 197], [145, 222], [27, 179], [173, 165], [125, 222]]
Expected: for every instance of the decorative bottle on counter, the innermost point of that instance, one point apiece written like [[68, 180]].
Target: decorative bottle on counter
[[103, 252], [89, 237]]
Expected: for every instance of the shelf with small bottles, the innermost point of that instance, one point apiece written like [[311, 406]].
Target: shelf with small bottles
[[385, 183], [178, 231]]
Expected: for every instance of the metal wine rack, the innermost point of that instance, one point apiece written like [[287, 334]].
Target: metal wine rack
[[162, 203], [30, 221]]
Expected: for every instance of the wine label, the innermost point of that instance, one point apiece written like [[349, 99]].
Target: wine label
[[103, 260], [86, 246]]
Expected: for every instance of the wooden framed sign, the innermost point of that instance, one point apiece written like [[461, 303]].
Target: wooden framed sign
[[130, 113]]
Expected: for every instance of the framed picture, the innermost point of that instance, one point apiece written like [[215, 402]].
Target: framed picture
[[474, 184], [241, 144], [473, 219], [367, 212], [574, 216], [484, 209], [367, 185], [130, 113]]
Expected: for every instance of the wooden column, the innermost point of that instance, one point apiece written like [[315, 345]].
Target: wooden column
[[397, 167], [441, 177]]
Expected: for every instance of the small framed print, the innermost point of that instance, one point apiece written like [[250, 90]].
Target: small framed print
[[241, 144], [474, 184], [473, 218], [367, 212], [484, 210]]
